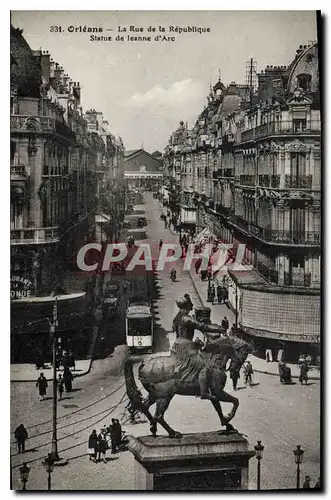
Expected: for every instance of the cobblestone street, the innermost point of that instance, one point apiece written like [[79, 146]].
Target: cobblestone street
[[280, 416]]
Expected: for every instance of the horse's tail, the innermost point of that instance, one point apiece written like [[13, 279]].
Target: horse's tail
[[132, 390]]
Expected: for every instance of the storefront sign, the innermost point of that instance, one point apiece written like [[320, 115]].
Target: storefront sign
[[20, 287]]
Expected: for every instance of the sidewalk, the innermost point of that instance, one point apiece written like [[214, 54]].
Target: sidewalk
[[27, 372], [218, 311]]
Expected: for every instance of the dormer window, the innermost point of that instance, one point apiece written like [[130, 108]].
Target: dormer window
[[304, 81]]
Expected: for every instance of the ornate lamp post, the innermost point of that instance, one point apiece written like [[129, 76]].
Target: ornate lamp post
[[259, 455], [298, 456], [49, 464], [24, 472]]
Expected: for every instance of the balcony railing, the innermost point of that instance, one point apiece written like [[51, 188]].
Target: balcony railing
[[247, 180], [17, 171], [272, 181], [280, 128], [303, 280], [34, 236], [287, 237], [303, 181], [240, 222]]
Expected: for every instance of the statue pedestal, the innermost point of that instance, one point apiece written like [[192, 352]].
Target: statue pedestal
[[206, 461]]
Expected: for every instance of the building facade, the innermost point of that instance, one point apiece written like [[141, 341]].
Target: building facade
[[252, 165], [56, 157], [142, 170]]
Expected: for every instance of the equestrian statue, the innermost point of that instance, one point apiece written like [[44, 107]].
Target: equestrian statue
[[194, 368]]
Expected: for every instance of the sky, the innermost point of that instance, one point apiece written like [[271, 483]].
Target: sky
[[145, 88]]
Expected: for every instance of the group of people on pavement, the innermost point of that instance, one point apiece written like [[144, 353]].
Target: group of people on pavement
[[306, 484], [63, 382], [220, 292], [108, 438]]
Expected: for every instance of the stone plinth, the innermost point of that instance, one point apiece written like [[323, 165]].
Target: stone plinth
[[207, 461]]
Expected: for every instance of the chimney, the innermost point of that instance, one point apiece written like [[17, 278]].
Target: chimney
[[45, 63]]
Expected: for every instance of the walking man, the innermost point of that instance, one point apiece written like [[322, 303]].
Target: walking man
[[219, 294], [60, 383], [68, 378], [42, 385], [92, 446], [113, 436], [21, 434], [248, 370], [225, 324], [304, 372]]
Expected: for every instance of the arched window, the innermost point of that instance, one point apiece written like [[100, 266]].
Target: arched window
[[304, 80]]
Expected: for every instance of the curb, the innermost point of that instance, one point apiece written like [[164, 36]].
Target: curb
[[255, 370], [50, 379]]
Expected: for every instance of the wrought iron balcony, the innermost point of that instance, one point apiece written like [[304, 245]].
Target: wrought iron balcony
[[286, 237], [28, 236], [303, 181], [281, 128], [304, 280], [272, 181], [247, 180]]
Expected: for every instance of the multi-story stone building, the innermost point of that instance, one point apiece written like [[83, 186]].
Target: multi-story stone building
[[55, 158], [263, 154]]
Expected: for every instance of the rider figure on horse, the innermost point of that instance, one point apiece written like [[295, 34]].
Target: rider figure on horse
[[192, 360]]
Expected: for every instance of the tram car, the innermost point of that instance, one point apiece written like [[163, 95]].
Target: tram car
[[139, 325]]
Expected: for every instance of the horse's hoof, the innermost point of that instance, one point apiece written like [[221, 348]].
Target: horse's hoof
[[153, 429], [175, 435]]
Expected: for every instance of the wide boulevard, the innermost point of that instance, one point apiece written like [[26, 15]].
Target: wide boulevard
[[280, 416]]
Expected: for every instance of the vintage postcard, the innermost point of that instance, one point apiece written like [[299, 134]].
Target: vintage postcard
[[165, 242]]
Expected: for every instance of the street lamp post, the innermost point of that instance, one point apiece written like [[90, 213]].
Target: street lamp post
[[298, 456], [24, 472], [49, 463], [54, 324], [259, 455], [236, 307]]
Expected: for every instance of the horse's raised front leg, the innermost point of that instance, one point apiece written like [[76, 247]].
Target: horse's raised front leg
[[218, 384], [161, 407]]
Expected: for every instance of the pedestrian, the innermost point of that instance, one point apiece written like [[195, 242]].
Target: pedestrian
[[118, 428], [304, 367], [318, 484], [268, 355], [92, 446], [42, 385], [113, 435], [72, 359], [233, 330], [234, 375], [306, 484], [197, 265], [60, 383], [248, 370], [188, 298], [212, 293], [101, 447], [225, 324], [21, 435], [219, 294], [67, 378], [224, 295], [160, 243]]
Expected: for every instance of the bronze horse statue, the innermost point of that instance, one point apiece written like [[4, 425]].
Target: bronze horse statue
[[161, 380]]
